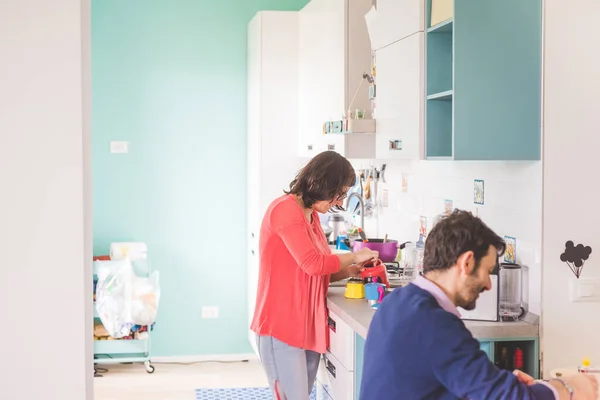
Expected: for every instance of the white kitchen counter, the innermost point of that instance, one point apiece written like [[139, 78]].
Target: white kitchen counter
[[358, 315]]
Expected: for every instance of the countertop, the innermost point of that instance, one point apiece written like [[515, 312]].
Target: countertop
[[358, 315]]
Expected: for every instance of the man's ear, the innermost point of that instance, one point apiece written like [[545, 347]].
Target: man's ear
[[466, 262]]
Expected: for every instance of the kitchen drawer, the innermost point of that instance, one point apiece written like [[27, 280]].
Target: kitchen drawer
[[339, 381], [341, 341]]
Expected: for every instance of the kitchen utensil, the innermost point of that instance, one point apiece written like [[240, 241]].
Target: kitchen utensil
[[362, 235], [355, 289], [368, 188], [510, 308], [385, 239], [387, 250], [374, 292], [375, 271]]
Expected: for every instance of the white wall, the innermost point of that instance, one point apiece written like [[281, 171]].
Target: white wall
[[571, 145], [512, 205], [45, 240]]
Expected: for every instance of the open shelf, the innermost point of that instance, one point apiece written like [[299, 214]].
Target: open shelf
[[439, 63], [439, 128], [445, 95], [530, 355], [443, 27], [440, 89]]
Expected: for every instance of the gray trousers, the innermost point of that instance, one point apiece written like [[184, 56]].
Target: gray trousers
[[290, 370]]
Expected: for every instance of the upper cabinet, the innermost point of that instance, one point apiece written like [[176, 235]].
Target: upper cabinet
[[483, 81], [398, 19], [334, 53], [400, 99]]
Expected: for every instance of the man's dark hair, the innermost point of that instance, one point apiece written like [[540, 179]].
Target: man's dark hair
[[456, 234], [323, 178]]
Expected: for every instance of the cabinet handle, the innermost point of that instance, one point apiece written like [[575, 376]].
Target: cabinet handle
[[252, 252], [331, 323], [309, 147], [331, 147], [330, 367], [252, 234]]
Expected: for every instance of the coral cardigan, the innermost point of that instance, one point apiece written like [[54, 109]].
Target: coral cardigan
[[295, 268]]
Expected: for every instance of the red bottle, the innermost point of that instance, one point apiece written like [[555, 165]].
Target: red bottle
[[518, 358]]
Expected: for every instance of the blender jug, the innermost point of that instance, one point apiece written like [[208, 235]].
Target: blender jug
[[510, 292]]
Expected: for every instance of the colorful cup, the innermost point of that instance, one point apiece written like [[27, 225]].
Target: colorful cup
[[374, 293]]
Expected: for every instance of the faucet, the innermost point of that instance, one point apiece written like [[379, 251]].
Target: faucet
[[362, 208]]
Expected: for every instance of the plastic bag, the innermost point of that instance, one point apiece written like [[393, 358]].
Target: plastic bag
[[124, 298]]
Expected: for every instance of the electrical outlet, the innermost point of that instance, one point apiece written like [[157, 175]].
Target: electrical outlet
[[119, 147], [385, 200], [210, 312]]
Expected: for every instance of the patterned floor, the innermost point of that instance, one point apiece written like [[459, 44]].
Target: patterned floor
[[241, 394]]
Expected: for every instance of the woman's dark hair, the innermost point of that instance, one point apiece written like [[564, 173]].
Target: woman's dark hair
[[456, 234], [323, 178]]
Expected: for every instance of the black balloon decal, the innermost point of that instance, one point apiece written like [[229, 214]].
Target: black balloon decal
[[575, 256]]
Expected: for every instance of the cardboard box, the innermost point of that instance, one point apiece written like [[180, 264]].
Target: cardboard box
[[441, 10]]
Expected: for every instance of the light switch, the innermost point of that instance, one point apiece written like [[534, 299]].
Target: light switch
[[119, 147], [585, 289]]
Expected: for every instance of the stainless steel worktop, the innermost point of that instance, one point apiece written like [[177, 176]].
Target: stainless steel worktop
[[358, 315]]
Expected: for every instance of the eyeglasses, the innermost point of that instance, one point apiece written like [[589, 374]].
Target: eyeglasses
[[337, 198]]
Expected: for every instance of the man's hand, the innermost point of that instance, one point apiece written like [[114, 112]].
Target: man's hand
[[523, 377]]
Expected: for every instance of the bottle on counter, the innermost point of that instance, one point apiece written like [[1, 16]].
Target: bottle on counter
[[419, 254]]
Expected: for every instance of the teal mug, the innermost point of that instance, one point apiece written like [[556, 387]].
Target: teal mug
[[374, 293]]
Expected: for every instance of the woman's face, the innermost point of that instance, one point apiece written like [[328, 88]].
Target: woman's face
[[324, 206]]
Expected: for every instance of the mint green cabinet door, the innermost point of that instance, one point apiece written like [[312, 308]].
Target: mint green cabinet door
[[359, 353], [497, 79]]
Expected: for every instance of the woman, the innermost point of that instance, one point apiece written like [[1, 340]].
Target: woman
[[296, 266]]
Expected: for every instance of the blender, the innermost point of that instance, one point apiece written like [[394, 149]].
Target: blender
[[510, 304]]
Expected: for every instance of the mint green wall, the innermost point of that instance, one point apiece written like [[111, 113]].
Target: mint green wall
[[170, 78]]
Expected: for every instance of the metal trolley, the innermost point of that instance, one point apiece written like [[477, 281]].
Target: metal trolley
[[120, 351]]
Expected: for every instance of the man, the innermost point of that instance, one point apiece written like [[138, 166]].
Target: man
[[418, 348]]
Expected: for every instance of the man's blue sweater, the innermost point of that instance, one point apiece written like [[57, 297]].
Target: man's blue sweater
[[415, 350]]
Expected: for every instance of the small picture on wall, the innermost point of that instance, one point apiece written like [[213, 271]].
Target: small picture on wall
[[448, 207], [510, 255], [479, 192]]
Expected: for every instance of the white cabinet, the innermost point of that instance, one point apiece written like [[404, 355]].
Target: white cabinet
[[341, 340], [400, 99], [398, 19], [337, 380], [334, 52], [272, 124]]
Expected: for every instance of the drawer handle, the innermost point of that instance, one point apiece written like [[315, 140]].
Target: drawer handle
[[330, 367], [331, 324]]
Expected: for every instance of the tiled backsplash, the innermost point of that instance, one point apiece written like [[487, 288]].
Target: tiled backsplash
[[512, 205]]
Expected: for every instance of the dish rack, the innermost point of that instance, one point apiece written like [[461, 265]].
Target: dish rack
[[117, 351], [399, 276]]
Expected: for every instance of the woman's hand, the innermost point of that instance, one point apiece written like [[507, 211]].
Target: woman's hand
[[360, 257], [585, 386], [364, 255]]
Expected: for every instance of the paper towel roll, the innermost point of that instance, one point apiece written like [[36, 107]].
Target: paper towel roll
[[133, 250]]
